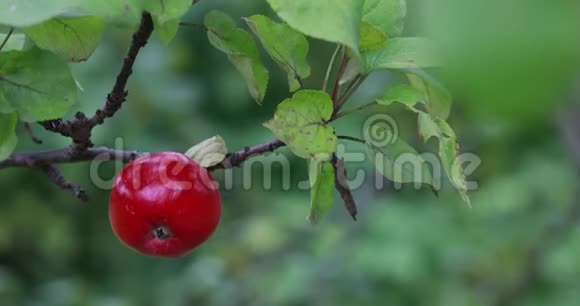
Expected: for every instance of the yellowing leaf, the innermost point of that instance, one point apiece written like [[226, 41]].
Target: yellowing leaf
[[370, 38], [301, 123], [209, 152]]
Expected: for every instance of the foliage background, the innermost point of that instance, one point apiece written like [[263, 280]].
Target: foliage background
[[408, 248]]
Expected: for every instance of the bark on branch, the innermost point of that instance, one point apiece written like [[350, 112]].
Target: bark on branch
[[237, 158], [41, 158], [80, 127], [58, 179], [342, 186]]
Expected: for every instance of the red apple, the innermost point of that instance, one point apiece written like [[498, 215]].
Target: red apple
[[164, 204]]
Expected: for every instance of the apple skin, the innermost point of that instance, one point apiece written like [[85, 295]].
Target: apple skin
[[164, 205]]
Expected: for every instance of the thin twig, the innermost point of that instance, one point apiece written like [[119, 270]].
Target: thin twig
[[348, 112], [329, 68], [352, 88], [341, 185], [237, 158], [34, 159], [30, 133], [351, 138], [192, 25], [6, 38], [80, 128], [117, 96], [58, 179]]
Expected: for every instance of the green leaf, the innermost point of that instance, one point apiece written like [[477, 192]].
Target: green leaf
[[22, 13], [300, 122], [445, 129], [74, 39], [370, 38], [287, 47], [330, 20], [431, 127], [400, 163], [428, 127], [321, 175], [119, 13], [28, 12], [439, 99], [166, 10], [448, 151], [209, 152], [35, 83], [386, 15], [166, 31], [17, 41], [166, 16], [8, 137], [128, 12], [404, 94], [241, 51], [400, 53]]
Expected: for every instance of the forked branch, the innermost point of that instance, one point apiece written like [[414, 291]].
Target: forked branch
[[80, 128]]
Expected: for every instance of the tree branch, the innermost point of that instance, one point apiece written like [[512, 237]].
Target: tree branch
[[329, 68], [80, 128], [344, 137], [58, 179], [41, 158], [354, 85], [30, 133], [6, 38], [348, 112], [237, 158], [117, 96], [342, 186]]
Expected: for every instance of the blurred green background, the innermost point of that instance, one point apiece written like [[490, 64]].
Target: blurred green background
[[512, 68]]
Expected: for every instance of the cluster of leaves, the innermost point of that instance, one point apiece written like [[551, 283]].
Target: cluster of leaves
[[370, 30], [36, 84]]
